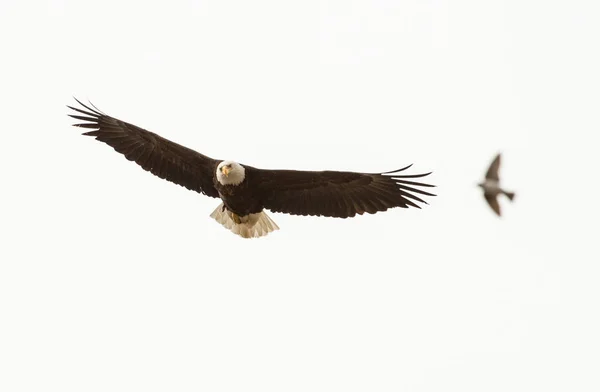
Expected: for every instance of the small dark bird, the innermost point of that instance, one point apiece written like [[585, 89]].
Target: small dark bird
[[246, 191], [491, 186]]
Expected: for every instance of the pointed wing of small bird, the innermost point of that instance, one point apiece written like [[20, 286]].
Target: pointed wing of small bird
[[159, 156], [493, 202], [336, 193], [492, 172]]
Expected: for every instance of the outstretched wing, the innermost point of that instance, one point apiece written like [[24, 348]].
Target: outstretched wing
[[336, 194], [159, 156], [492, 172], [493, 202]]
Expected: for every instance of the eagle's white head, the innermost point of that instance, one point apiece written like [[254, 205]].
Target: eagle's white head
[[230, 173]]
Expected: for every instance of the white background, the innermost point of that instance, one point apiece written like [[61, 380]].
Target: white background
[[114, 280]]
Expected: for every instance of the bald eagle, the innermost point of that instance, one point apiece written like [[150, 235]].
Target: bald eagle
[[246, 191]]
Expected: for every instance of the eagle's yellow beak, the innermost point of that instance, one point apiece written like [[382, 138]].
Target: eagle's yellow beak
[[225, 170]]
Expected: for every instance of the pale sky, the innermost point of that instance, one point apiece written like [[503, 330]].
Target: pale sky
[[112, 279]]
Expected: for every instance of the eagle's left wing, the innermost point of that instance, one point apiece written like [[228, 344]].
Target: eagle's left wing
[[335, 193], [161, 157]]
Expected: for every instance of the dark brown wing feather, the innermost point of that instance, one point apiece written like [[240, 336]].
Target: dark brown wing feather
[[493, 202], [159, 156], [492, 172], [336, 194]]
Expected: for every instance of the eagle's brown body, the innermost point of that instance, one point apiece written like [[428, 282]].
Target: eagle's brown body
[[240, 199]]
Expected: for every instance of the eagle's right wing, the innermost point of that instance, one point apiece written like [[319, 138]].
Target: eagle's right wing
[[159, 156]]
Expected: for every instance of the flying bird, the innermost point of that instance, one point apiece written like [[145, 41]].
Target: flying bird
[[491, 186], [246, 191]]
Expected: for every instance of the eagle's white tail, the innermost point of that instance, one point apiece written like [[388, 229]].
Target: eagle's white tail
[[252, 226]]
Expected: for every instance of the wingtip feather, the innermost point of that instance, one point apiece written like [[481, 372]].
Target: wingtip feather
[[398, 170]]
